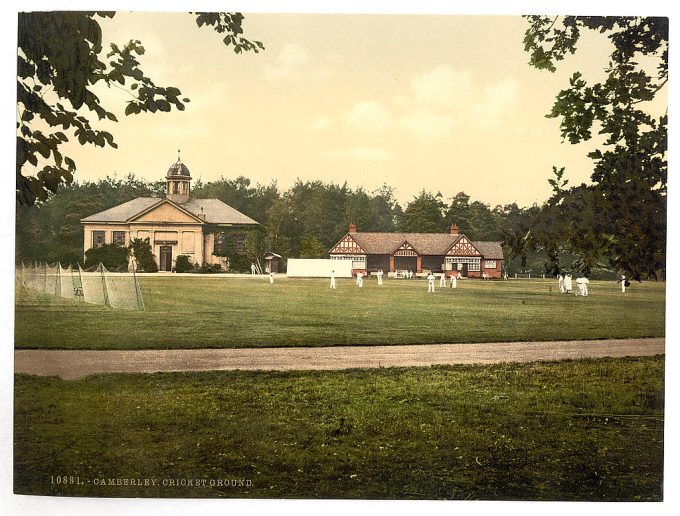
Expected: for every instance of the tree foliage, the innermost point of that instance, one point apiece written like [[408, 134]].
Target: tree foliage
[[114, 257], [141, 249], [308, 213], [626, 204], [425, 214], [60, 62]]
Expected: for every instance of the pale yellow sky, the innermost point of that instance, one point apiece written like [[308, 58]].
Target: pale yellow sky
[[445, 103]]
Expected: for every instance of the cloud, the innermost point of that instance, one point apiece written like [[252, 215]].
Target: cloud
[[369, 115], [438, 102], [442, 87], [496, 102], [361, 154], [290, 60]]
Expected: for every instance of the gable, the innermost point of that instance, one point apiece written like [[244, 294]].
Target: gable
[[405, 249], [347, 245], [165, 212], [463, 247]]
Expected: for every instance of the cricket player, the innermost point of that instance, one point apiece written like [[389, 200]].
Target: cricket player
[[333, 279], [360, 279], [379, 274], [454, 281], [430, 282]]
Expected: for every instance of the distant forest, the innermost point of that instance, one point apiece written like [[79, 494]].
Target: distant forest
[[303, 221]]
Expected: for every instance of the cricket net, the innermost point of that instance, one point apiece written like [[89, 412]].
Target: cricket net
[[96, 285]]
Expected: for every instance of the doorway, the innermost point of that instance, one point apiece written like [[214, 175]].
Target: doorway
[[166, 258]]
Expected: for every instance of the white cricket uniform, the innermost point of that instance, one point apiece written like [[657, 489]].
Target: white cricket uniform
[[430, 283], [360, 280], [332, 279]]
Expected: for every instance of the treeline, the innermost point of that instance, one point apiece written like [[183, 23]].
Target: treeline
[[565, 233], [303, 221]]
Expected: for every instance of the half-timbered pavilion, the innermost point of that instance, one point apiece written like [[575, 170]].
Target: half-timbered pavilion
[[450, 253]]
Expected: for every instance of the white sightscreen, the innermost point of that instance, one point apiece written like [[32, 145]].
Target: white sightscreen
[[317, 268]]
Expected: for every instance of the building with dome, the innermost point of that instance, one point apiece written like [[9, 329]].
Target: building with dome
[[177, 224]]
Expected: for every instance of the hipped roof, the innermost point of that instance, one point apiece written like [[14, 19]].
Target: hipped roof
[[215, 211]]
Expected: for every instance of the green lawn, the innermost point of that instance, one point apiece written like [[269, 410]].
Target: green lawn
[[574, 430], [204, 312]]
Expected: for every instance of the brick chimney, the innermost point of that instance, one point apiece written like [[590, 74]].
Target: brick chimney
[[454, 229], [352, 227]]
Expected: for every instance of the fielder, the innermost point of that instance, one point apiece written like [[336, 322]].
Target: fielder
[[442, 281], [379, 274], [454, 281], [430, 283], [332, 279], [360, 279]]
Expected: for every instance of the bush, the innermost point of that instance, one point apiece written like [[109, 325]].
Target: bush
[[183, 264], [210, 268], [143, 254], [114, 257]]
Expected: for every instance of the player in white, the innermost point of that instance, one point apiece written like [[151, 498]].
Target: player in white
[[560, 283], [430, 282], [332, 279], [623, 283], [271, 278], [454, 281], [442, 280], [360, 279], [379, 275]]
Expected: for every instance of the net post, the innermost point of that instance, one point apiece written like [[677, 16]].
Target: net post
[[138, 290], [106, 291]]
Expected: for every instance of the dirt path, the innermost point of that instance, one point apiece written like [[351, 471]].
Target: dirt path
[[77, 364]]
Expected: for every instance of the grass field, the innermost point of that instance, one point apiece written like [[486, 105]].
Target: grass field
[[575, 430], [205, 312]]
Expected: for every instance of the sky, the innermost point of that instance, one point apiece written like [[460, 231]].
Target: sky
[[443, 103]]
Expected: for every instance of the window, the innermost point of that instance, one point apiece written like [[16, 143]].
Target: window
[[473, 263], [358, 262], [98, 238], [220, 247], [225, 243], [489, 264], [239, 244], [119, 238]]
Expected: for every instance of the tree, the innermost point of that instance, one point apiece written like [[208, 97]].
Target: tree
[[141, 249], [60, 61], [425, 214], [312, 247], [630, 171]]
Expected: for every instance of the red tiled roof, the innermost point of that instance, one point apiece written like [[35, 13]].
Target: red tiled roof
[[425, 244]]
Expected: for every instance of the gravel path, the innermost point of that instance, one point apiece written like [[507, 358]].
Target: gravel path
[[72, 364]]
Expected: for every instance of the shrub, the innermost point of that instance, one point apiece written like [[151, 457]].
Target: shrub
[[183, 264], [113, 256], [210, 268]]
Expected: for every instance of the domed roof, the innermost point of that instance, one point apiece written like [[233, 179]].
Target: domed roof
[[178, 169]]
